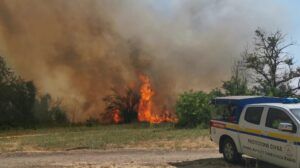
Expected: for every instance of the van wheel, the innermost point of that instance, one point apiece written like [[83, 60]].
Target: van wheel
[[230, 152]]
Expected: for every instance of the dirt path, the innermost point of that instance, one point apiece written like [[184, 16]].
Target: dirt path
[[208, 158]]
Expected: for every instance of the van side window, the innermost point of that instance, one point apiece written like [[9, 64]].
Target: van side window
[[275, 117], [253, 115]]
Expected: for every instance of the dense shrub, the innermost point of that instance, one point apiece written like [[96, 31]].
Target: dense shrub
[[17, 98], [49, 112], [194, 109], [19, 106]]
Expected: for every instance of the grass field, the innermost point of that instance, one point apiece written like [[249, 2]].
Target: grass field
[[105, 137]]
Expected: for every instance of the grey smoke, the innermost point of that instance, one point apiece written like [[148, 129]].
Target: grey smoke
[[78, 50]]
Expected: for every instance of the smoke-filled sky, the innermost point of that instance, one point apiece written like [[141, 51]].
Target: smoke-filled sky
[[78, 50]]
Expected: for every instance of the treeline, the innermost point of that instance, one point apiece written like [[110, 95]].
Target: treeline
[[265, 70], [21, 107]]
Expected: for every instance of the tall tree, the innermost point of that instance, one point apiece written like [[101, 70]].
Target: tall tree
[[238, 83], [274, 70], [16, 98]]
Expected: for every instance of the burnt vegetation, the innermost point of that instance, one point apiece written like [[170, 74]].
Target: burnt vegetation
[[126, 103]]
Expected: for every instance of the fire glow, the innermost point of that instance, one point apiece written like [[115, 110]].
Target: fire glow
[[146, 103], [145, 110], [117, 116]]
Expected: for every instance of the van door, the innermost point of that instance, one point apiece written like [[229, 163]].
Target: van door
[[281, 149], [250, 131]]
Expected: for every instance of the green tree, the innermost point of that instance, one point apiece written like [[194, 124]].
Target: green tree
[[217, 92], [19, 106], [238, 83], [41, 109], [194, 109], [49, 112], [23, 100], [273, 69], [16, 98]]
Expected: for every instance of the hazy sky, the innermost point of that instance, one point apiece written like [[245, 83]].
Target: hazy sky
[[294, 13], [290, 10]]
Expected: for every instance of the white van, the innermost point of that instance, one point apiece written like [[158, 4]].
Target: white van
[[266, 131]]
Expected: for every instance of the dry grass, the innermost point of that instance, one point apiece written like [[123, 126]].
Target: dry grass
[[105, 137]]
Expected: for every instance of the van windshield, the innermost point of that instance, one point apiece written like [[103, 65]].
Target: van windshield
[[296, 112]]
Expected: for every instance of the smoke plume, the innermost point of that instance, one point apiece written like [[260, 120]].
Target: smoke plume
[[78, 50]]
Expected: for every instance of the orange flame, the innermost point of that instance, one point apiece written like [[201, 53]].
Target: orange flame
[[145, 105], [117, 116], [145, 109]]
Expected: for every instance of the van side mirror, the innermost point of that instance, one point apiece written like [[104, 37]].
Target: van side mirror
[[286, 127]]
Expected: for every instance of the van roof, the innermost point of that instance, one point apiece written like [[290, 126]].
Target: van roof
[[238, 97], [241, 101], [245, 100], [283, 105]]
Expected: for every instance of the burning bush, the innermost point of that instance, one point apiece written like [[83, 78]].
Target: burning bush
[[122, 107], [137, 105], [146, 111]]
